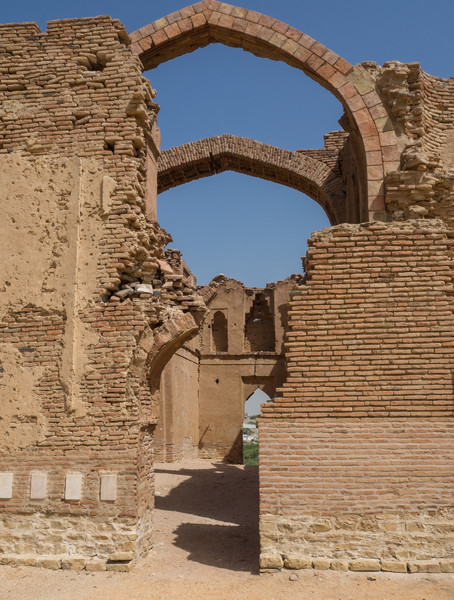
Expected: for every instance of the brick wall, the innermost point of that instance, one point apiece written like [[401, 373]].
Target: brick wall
[[357, 457], [370, 334]]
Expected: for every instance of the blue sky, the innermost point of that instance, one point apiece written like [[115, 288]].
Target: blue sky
[[247, 228]]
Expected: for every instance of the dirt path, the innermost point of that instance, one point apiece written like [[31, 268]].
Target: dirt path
[[206, 548]]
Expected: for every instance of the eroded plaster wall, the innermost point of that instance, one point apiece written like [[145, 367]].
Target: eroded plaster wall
[[50, 237], [177, 431], [90, 308]]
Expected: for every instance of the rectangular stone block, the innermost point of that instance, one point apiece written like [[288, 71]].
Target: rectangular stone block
[[48, 563], [393, 566], [322, 564], [6, 486], [73, 486], [339, 565], [73, 563], [297, 562], [424, 567], [108, 487], [271, 561], [365, 564], [447, 566], [38, 486]]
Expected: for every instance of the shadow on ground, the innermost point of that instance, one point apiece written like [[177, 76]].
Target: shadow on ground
[[224, 493]]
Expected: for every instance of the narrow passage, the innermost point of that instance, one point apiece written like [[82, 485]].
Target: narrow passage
[[206, 518]]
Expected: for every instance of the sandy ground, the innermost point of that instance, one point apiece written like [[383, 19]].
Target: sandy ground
[[206, 547]]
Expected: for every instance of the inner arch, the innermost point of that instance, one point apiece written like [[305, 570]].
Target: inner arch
[[229, 224], [316, 175]]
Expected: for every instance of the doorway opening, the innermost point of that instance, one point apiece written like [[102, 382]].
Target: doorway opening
[[252, 409]]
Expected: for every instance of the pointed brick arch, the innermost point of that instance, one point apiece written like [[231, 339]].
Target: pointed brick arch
[[298, 170], [210, 21]]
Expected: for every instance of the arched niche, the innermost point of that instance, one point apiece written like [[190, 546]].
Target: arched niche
[[259, 335], [219, 332]]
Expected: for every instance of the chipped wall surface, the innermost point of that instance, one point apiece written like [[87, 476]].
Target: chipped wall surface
[[22, 422], [39, 232], [50, 239], [420, 110]]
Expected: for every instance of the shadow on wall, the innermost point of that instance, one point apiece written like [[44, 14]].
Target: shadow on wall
[[225, 493]]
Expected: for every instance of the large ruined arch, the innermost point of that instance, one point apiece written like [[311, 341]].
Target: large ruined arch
[[299, 170], [210, 21]]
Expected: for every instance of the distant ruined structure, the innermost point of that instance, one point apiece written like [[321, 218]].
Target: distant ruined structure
[[207, 381], [111, 355]]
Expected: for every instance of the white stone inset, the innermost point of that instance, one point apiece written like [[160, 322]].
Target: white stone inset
[[6, 486], [109, 487], [38, 486], [73, 486]]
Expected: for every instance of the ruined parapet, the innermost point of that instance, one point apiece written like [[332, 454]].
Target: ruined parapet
[[421, 113]]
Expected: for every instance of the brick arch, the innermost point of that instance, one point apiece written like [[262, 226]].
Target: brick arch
[[298, 170], [211, 21]]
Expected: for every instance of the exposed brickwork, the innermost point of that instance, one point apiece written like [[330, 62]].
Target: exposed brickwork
[[370, 334], [77, 90], [423, 108], [312, 172], [343, 489], [357, 458], [88, 339]]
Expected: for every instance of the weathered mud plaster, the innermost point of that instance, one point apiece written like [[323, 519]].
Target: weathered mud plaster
[[50, 234], [84, 234], [22, 421]]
